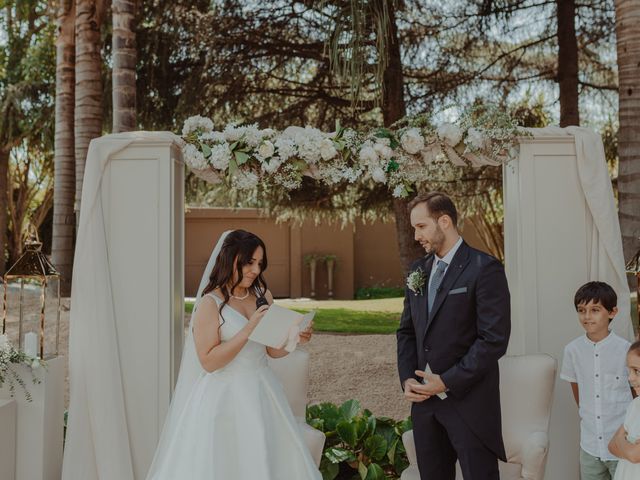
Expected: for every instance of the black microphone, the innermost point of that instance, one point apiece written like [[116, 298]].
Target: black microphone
[[260, 301]]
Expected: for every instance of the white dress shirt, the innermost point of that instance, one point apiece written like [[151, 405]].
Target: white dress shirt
[[446, 259], [600, 371]]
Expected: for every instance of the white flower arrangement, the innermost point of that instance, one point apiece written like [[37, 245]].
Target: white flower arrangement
[[247, 157], [9, 357]]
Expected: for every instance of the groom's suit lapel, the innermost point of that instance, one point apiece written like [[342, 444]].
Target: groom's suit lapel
[[458, 264]]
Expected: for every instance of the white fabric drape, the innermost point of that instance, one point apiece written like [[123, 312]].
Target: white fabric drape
[[97, 442], [607, 259]]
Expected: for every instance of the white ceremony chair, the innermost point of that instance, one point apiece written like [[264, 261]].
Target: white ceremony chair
[[526, 393], [293, 372]]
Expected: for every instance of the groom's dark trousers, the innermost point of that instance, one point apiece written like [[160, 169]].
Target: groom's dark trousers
[[461, 338]]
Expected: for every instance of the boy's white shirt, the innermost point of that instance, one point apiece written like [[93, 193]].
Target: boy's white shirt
[[600, 370]]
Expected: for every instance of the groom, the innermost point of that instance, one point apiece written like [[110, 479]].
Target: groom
[[456, 319]]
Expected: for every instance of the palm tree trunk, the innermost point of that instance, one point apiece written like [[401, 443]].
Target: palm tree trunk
[[628, 39], [88, 92], [393, 109], [4, 206], [62, 247], [567, 63], [124, 66]]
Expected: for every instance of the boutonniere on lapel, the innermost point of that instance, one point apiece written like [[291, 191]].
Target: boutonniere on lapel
[[416, 281]]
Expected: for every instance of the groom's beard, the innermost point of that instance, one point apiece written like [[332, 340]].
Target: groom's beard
[[432, 245]]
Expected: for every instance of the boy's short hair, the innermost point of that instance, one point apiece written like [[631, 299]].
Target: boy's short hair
[[598, 292], [635, 347]]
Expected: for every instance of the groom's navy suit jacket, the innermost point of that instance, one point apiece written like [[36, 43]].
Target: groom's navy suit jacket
[[462, 338]]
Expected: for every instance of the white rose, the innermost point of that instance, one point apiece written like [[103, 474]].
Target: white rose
[[476, 139], [368, 154], [267, 149], [5, 346], [399, 191], [327, 150], [383, 150], [412, 141], [450, 134], [271, 165], [378, 175]]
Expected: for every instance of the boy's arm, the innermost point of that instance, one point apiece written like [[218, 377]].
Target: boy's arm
[[576, 393], [621, 448]]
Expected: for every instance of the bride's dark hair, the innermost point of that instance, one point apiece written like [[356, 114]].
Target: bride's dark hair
[[241, 245]]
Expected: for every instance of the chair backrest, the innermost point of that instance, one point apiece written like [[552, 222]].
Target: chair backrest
[[526, 393], [293, 372]]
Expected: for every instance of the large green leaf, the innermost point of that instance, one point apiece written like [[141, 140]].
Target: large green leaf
[[337, 455], [206, 150], [360, 425], [375, 472], [347, 432], [233, 166], [329, 469], [241, 157], [362, 470], [371, 425], [350, 409], [375, 447]]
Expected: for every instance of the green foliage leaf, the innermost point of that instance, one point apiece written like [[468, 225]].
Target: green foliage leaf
[[350, 409], [329, 469], [338, 455], [375, 447], [233, 166], [375, 472], [206, 150], [362, 470], [347, 432], [241, 157]]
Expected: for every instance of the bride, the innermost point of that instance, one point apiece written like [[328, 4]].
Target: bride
[[229, 418]]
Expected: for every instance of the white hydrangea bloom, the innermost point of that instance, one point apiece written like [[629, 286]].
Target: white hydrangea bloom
[[220, 156], [245, 180], [382, 149], [476, 139], [233, 133], [216, 137], [327, 149], [193, 157], [399, 191], [286, 147], [412, 141], [196, 122], [378, 175], [368, 155], [253, 135], [450, 134]]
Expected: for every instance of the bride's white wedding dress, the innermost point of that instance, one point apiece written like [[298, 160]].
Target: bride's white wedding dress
[[234, 423]]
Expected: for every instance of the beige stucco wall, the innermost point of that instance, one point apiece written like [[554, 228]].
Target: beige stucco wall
[[367, 254]]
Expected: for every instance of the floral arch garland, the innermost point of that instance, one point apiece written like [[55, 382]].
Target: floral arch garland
[[401, 156]]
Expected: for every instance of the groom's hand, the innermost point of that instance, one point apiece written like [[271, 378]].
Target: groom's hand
[[433, 384], [413, 391]]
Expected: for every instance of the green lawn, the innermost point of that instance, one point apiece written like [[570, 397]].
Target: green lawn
[[343, 320], [359, 316]]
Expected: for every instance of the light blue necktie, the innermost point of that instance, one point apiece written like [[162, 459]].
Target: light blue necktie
[[438, 275]]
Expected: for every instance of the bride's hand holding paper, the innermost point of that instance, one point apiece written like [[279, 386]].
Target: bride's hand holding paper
[[281, 328]]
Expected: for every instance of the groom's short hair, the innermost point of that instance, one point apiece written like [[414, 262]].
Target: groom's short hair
[[438, 204]]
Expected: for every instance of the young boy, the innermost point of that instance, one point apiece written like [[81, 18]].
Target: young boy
[[595, 365]]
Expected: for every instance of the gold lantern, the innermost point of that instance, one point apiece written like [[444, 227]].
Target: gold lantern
[[32, 302], [633, 267]]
